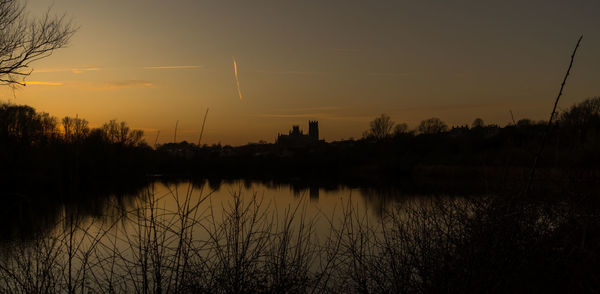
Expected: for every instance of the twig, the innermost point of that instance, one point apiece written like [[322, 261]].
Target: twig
[[512, 117], [545, 136], [202, 131]]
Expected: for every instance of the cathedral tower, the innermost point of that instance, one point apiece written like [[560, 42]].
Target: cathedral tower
[[313, 129]]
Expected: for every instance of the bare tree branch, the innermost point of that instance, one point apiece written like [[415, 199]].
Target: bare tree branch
[[24, 40], [552, 115]]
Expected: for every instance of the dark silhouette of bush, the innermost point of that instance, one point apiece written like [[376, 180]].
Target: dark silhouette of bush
[[583, 119], [478, 123], [525, 122]]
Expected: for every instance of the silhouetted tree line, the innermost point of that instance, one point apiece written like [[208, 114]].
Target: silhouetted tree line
[[35, 143], [22, 125], [573, 139], [37, 148], [389, 149]]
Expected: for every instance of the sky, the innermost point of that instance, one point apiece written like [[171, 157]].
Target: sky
[[263, 66]]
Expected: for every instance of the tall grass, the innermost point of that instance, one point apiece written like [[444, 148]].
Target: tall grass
[[246, 246]]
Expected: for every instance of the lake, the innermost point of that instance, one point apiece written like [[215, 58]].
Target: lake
[[27, 212], [188, 236], [164, 227]]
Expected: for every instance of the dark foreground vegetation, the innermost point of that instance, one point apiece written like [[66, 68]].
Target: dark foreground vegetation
[[429, 245]]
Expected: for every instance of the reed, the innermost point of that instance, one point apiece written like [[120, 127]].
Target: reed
[[432, 245]]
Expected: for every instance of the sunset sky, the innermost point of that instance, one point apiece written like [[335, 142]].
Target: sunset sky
[[342, 63]]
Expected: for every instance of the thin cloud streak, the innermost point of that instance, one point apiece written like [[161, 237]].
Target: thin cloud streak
[[448, 107], [331, 116], [289, 72], [75, 70], [174, 67], [95, 86], [34, 83], [117, 85], [237, 81], [316, 108]]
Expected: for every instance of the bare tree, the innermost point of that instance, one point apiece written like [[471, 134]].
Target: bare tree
[[432, 126], [380, 128], [49, 125], [81, 128], [24, 40], [583, 118], [120, 133], [75, 129], [400, 129], [581, 115], [68, 126]]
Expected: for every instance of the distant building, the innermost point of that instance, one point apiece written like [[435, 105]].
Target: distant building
[[295, 137]]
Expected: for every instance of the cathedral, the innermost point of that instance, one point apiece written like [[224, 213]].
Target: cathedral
[[296, 138]]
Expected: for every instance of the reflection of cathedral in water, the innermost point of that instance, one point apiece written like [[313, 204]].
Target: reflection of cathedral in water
[[313, 191]]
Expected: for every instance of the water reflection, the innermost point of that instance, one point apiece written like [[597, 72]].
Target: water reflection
[[31, 210]]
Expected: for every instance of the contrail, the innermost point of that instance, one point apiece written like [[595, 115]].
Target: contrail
[[237, 81]]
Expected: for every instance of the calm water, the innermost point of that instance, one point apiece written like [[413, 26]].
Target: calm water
[[28, 217], [156, 234], [165, 226]]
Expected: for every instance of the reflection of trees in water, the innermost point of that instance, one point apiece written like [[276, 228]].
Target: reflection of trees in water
[[376, 197], [379, 199], [30, 210], [215, 184], [298, 188]]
